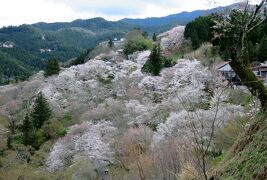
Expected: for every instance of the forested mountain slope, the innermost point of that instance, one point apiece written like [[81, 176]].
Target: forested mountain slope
[[33, 45]]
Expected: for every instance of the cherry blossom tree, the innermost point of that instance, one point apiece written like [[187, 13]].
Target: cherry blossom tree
[[87, 139]]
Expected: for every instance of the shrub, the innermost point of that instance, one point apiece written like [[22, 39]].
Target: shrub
[[83, 169], [133, 35], [66, 120], [39, 157], [168, 62], [40, 138], [17, 138], [226, 136], [23, 154], [188, 173], [62, 132], [239, 97], [53, 129], [137, 44]]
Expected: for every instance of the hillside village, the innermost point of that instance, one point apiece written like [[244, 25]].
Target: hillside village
[[224, 69]]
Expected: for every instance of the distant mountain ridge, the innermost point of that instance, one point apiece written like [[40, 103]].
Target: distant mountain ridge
[[92, 24], [181, 18]]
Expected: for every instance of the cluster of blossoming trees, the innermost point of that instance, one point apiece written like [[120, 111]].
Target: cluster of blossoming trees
[[124, 113], [142, 123], [147, 124]]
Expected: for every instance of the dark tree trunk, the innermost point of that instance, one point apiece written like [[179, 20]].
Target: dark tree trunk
[[240, 64]]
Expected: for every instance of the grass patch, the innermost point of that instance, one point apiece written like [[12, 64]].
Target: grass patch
[[176, 56], [248, 157], [67, 120], [239, 97], [218, 159]]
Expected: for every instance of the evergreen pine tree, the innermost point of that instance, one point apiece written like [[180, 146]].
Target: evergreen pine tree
[[41, 111], [52, 67], [110, 43], [154, 63], [27, 131], [154, 38]]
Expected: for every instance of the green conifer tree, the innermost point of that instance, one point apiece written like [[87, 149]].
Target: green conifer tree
[[155, 62], [154, 38], [52, 67], [41, 111], [110, 43], [27, 131]]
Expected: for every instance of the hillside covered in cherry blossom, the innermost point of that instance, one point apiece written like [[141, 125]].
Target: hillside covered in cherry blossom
[[127, 124]]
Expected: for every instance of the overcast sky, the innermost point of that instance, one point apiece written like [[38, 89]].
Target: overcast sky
[[15, 12]]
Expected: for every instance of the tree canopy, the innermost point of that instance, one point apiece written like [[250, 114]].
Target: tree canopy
[[137, 44], [255, 40], [200, 30], [236, 29], [52, 67]]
